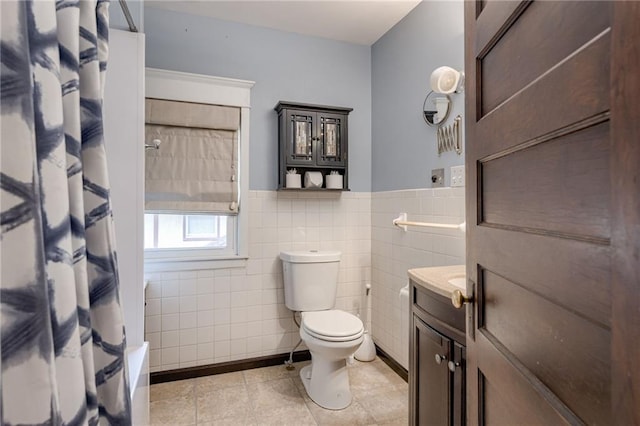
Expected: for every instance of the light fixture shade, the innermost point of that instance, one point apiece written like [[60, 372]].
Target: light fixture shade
[[445, 80]]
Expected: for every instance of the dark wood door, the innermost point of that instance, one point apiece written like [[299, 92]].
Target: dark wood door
[[545, 182], [432, 387]]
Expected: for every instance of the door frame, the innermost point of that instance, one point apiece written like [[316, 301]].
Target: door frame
[[625, 213]]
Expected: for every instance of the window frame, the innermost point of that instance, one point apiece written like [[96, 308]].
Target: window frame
[[187, 87]]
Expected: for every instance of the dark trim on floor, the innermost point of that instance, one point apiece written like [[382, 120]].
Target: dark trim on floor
[[225, 367], [393, 364], [264, 361]]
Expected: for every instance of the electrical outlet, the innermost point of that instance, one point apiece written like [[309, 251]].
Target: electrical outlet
[[437, 178], [457, 176]]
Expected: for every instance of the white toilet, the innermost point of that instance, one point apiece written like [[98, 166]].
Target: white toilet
[[332, 336]]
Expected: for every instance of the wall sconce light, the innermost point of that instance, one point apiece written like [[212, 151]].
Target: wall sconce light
[[447, 80]]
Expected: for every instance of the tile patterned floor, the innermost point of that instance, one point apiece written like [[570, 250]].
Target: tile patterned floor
[[276, 396]]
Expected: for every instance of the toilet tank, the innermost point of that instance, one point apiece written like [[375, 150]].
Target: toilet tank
[[310, 279]]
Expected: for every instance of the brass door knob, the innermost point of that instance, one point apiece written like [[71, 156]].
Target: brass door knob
[[458, 299], [452, 366]]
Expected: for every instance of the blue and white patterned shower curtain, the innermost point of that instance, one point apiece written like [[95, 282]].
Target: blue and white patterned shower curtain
[[62, 331]]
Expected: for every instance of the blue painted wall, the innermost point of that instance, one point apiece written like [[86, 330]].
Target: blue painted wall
[[285, 66], [404, 147]]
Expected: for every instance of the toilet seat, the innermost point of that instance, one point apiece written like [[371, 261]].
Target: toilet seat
[[332, 325]]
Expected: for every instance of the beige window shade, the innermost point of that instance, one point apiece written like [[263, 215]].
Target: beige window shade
[[186, 114], [194, 169]]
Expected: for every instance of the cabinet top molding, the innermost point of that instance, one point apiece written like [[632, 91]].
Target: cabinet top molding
[[311, 107]]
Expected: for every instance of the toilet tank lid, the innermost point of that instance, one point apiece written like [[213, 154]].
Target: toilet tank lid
[[310, 256]]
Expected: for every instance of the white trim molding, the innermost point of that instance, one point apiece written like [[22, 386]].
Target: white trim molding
[[187, 87]]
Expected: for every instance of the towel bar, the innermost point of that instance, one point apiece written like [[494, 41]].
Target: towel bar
[[402, 222]]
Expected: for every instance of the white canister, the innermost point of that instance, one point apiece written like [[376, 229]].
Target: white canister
[[293, 181], [334, 181]]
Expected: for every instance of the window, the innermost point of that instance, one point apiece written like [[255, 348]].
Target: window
[[206, 228], [197, 177], [168, 231]]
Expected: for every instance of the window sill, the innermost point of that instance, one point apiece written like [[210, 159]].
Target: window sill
[[193, 264]]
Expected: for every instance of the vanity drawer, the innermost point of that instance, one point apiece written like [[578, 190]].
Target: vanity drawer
[[439, 307]]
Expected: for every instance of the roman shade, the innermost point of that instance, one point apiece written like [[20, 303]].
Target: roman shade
[[187, 114], [195, 166]]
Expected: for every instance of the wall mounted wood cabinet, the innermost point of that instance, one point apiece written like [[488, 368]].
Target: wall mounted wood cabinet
[[312, 138], [436, 360]]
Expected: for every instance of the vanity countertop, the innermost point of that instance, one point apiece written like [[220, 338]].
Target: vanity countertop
[[437, 278]]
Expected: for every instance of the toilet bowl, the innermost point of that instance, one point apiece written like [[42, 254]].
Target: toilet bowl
[[332, 336]]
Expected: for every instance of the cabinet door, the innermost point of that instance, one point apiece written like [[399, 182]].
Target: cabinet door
[[456, 366], [299, 138], [331, 145], [431, 387]]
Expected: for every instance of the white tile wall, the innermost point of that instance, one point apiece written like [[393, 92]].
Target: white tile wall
[[393, 252], [210, 316]]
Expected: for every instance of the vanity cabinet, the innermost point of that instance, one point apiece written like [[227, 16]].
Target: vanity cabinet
[[437, 360], [312, 138]]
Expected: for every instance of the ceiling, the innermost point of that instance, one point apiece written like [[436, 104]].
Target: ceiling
[[353, 21]]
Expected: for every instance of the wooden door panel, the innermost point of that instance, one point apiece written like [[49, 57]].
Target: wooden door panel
[[586, 266], [505, 408], [496, 408], [542, 336], [515, 397], [494, 19], [560, 186], [543, 41], [534, 114]]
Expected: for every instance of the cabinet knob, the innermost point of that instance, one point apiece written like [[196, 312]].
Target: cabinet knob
[[453, 365], [458, 299], [440, 358]]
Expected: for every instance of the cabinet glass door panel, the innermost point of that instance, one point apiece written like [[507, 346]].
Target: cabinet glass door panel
[[300, 135], [331, 145], [330, 149]]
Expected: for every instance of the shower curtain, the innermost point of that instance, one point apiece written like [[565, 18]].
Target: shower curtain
[[62, 336]]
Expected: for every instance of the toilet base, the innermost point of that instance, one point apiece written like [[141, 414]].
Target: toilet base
[[330, 389]]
